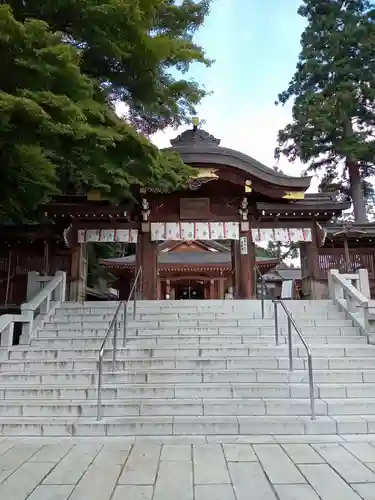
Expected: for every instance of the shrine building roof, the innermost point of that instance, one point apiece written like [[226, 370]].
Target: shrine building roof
[[321, 205], [184, 258], [357, 234], [351, 230], [196, 147]]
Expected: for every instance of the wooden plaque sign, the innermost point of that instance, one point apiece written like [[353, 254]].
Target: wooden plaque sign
[[195, 208]]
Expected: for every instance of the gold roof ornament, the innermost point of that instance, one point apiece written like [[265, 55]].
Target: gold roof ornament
[[248, 186], [94, 195], [294, 195], [195, 121], [206, 173], [202, 176]]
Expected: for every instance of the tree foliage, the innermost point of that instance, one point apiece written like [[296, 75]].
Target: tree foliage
[[281, 251], [95, 252], [64, 65], [334, 91], [98, 273], [133, 49]]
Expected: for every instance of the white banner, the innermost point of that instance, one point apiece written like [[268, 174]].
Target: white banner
[[191, 231], [282, 235], [107, 235]]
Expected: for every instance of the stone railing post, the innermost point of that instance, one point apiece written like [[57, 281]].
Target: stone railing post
[[336, 291], [351, 303], [369, 320], [27, 326], [42, 304], [7, 331], [364, 283], [59, 293], [33, 285]]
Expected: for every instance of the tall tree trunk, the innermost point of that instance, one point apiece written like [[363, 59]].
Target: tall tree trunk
[[357, 192], [356, 187]]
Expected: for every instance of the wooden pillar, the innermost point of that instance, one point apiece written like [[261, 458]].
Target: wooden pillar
[[252, 258], [221, 289], [78, 272], [247, 263], [217, 289], [309, 266], [159, 292], [147, 257], [236, 267], [243, 262], [212, 290], [167, 289]]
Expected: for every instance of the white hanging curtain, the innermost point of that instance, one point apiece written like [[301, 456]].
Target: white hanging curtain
[[282, 235], [191, 231], [107, 235]]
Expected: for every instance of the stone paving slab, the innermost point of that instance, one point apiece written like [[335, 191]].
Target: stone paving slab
[[211, 468]]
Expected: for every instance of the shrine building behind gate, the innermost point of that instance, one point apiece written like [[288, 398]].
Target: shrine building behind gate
[[187, 270]]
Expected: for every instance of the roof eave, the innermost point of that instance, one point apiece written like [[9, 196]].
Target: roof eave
[[231, 158], [321, 208]]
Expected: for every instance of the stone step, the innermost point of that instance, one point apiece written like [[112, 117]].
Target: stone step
[[149, 341], [190, 406], [182, 304], [240, 314], [103, 324], [189, 367], [221, 313], [43, 378], [186, 425], [269, 340], [189, 352], [112, 391], [250, 308], [157, 376], [192, 321], [105, 315], [198, 331], [212, 363], [318, 337]]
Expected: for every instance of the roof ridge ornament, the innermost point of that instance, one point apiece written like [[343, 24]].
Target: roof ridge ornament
[[195, 136]]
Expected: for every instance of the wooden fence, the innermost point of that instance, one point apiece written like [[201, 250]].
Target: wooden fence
[[334, 258], [14, 269]]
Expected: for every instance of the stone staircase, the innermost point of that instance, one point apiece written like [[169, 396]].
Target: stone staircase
[[189, 368]]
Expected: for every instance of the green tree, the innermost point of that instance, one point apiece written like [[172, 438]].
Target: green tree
[[58, 131], [95, 252], [138, 50], [40, 93], [281, 251], [334, 92]]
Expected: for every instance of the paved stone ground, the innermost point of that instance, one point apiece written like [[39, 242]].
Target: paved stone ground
[[198, 468]]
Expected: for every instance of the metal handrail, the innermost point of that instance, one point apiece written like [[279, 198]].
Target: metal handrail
[[113, 326], [263, 285], [291, 322]]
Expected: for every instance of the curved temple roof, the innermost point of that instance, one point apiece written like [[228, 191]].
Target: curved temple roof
[[215, 253], [185, 258], [198, 146]]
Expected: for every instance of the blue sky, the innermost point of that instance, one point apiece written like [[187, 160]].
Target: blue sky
[[255, 45]]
